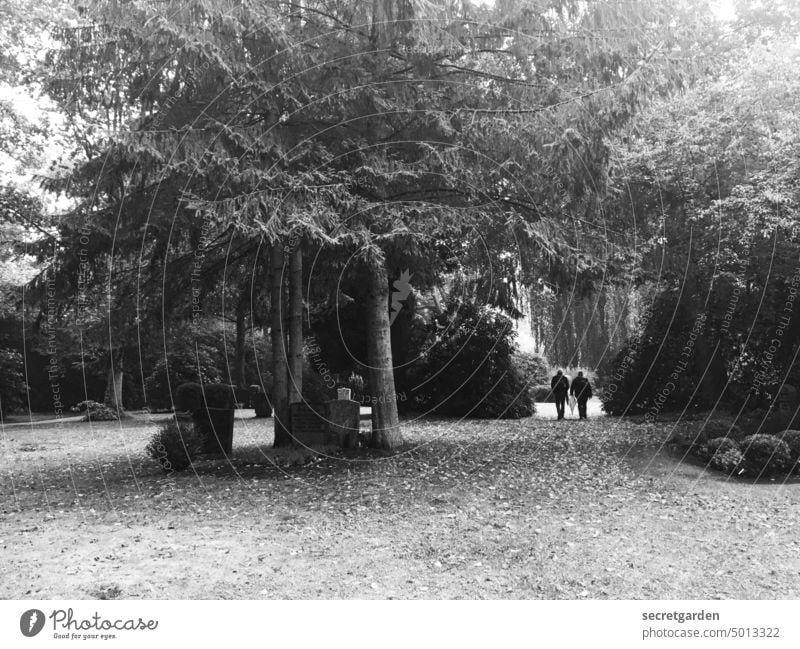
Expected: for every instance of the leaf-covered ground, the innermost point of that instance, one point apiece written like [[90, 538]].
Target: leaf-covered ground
[[527, 509]]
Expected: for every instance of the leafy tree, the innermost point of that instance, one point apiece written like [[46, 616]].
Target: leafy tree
[[715, 174], [395, 126]]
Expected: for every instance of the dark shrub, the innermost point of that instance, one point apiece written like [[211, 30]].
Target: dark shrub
[[174, 445], [96, 411], [533, 368], [179, 366], [189, 397], [468, 369], [646, 364], [543, 393], [729, 461], [722, 454], [722, 444], [765, 455], [715, 428], [792, 439], [770, 422], [12, 380], [693, 433]]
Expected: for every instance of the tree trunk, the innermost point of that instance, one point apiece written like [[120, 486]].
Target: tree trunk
[[381, 12], [241, 336], [280, 404], [602, 301], [296, 325], [386, 432], [401, 340], [113, 394], [297, 11]]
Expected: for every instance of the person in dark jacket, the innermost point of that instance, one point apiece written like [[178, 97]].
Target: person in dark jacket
[[559, 385], [582, 391]]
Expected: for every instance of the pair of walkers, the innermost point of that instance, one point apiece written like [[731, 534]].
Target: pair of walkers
[[580, 389]]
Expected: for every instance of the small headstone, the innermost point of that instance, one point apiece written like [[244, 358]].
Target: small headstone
[[261, 404], [308, 424], [787, 398], [344, 422]]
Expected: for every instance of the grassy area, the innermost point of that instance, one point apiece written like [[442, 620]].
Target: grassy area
[[527, 509]]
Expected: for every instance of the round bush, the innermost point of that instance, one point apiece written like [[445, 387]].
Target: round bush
[[543, 393], [719, 444], [179, 366], [728, 461], [533, 367], [765, 455], [792, 439], [96, 411], [174, 445], [189, 397], [714, 429], [722, 454], [468, 368]]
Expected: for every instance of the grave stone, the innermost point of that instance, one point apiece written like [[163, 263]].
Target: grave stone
[[308, 423], [261, 404], [343, 422], [787, 398]]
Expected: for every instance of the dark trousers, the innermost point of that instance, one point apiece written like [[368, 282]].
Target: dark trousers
[[560, 401], [582, 408]]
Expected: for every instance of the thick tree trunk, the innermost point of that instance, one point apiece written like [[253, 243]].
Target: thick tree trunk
[[604, 342], [381, 12], [401, 341], [241, 341], [113, 394], [280, 404], [386, 432], [296, 325]]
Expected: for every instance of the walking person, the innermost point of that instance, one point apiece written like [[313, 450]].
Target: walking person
[[559, 386], [581, 389]]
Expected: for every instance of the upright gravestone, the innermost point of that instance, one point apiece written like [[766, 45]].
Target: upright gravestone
[[344, 422], [787, 398], [786, 405], [261, 404], [308, 423]]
